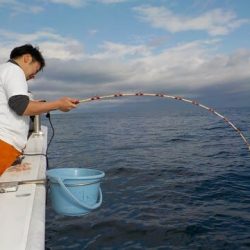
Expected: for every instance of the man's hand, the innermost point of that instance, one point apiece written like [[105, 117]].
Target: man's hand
[[67, 103]]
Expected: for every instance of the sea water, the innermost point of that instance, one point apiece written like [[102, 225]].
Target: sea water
[[175, 179]]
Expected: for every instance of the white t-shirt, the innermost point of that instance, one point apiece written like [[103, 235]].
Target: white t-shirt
[[13, 128]]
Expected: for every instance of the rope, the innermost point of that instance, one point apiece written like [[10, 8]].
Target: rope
[[179, 98]]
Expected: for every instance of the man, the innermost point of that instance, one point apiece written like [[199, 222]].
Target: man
[[15, 105]]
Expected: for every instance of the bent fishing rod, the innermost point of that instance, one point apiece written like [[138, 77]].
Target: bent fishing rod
[[179, 98]]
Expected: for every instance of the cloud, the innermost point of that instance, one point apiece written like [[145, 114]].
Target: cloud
[[72, 3], [53, 44], [190, 68], [17, 7], [118, 50], [80, 3], [93, 32], [111, 1], [215, 22]]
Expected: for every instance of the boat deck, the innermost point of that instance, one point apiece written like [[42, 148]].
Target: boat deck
[[22, 207]]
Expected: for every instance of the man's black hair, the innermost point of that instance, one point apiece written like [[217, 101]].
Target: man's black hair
[[28, 49]]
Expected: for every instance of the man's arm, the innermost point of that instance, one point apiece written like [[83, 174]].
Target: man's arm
[[23, 106], [64, 104]]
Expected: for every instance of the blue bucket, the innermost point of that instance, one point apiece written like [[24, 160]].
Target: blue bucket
[[75, 191]]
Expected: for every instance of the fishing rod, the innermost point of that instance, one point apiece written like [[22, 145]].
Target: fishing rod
[[179, 98]]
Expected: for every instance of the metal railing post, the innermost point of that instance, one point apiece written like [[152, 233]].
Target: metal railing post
[[37, 125]]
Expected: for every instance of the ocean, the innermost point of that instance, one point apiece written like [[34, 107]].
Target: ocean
[[176, 178]]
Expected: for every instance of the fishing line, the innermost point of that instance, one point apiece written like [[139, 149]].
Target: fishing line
[[179, 98]]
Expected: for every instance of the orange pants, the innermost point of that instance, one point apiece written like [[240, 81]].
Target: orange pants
[[8, 154]]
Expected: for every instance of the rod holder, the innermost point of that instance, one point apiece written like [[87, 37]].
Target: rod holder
[[37, 125]]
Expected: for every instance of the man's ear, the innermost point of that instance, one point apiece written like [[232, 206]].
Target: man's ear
[[27, 58]]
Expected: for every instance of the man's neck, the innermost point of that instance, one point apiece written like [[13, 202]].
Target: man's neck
[[13, 61]]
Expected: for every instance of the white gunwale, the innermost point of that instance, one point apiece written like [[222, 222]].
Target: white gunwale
[[22, 213]]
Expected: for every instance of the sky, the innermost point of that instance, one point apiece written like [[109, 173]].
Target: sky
[[197, 49]]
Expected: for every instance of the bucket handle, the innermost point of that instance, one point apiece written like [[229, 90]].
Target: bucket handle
[[68, 193]]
